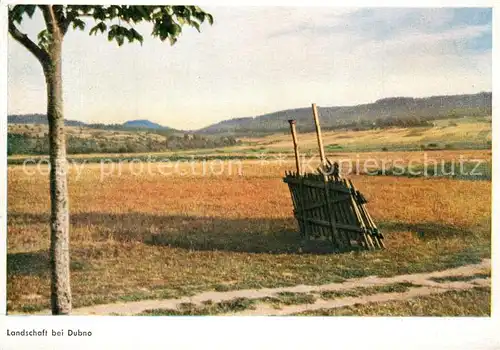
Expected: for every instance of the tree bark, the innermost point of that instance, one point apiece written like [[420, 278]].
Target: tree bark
[[59, 222]]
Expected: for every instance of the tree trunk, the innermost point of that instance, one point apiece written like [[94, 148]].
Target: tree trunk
[[59, 220]]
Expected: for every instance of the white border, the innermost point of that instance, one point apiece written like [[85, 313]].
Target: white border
[[495, 209], [3, 159]]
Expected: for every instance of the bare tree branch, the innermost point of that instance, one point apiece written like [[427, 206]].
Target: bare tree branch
[[24, 40]]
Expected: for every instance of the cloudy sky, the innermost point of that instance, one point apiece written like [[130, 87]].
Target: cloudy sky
[[255, 60]]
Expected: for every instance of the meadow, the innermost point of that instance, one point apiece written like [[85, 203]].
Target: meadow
[[161, 235], [463, 133], [467, 133]]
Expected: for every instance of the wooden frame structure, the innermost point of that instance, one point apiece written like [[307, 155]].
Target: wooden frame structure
[[327, 206]]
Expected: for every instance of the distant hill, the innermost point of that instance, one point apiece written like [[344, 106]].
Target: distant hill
[[405, 108], [38, 119], [143, 123], [42, 119], [393, 111]]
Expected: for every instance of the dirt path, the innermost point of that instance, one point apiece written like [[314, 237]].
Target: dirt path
[[268, 310], [426, 286]]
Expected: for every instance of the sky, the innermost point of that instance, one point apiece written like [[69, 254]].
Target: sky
[[256, 60]]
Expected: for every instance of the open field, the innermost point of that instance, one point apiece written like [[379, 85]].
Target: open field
[[464, 133], [463, 164], [474, 302], [405, 157], [160, 236], [41, 130]]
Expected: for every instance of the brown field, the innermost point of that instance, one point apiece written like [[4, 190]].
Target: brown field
[[156, 236]]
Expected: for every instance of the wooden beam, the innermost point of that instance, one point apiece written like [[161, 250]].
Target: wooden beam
[[295, 145], [314, 183], [318, 134]]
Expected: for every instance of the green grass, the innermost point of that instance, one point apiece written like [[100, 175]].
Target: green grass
[[288, 298], [308, 269], [360, 291], [460, 278], [473, 302], [208, 308]]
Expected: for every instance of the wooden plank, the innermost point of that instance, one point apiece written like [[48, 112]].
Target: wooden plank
[[318, 134], [316, 184], [308, 199], [302, 191], [330, 216], [345, 219], [296, 205], [369, 221], [317, 213], [323, 203], [376, 237], [366, 239], [362, 213], [295, 145], [337, 217], [327, 224]]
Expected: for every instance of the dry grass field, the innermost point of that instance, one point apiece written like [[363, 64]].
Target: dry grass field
[[453, 132], [159, 236]]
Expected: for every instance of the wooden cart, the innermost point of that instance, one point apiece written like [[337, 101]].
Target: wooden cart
[[328, 206]]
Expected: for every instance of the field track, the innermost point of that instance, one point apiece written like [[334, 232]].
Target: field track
[[423, 284]]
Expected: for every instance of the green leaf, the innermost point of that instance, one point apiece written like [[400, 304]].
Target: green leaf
[[120, 39], [17, 12], [111, 34], [175, 30], [196, 25], [44, 39], [30, 10], [78, 23], [210, 18], [136, 35], [144, 12], [99, 13], [168, 21], [101, 26]]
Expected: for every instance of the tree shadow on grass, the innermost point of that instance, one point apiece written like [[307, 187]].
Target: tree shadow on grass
[[248, 235], [35, 263], [253, 235], [28, 264]]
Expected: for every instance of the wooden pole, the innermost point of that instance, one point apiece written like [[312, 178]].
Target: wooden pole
[[318, 134], [367, 240], [295, 145]]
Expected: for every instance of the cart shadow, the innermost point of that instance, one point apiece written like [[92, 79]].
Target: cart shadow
[[253, 235], [245, 235]]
